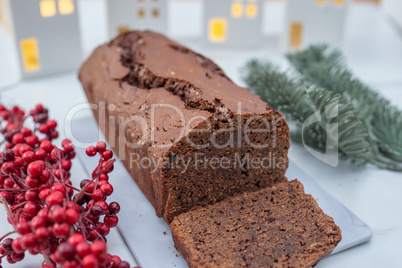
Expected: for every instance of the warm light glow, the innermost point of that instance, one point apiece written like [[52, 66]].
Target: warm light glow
[[321, 1], [251, 11], [123, 29], [217, 30], [66, 7], [141, 13], [237, 10], [296, 30], [339, 2], [30, 54], [47, 8], [155, 12]]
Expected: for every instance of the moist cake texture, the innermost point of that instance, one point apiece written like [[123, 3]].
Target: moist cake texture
[[186, 133], [273, 227]]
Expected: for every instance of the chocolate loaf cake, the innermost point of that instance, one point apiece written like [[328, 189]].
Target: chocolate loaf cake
[[274, 227], [186, 133]]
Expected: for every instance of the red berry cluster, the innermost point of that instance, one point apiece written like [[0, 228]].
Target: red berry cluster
[[67, 225]]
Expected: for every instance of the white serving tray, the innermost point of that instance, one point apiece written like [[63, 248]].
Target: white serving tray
[[149, 238]]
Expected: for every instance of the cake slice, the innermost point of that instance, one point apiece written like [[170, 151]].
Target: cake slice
[[273, 227]]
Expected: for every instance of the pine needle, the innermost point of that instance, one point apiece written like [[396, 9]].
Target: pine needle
[[300, 98]]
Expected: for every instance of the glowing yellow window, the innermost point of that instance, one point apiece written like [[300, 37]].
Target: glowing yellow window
[[217, 30], [123, 29], [296, 31], [339, 2], [237, 10], [66, 7], [251, 11], [30, 54], [47, 8], [321, 1]]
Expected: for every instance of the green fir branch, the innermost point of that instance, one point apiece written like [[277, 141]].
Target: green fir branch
[[299, 99], [326, 68]]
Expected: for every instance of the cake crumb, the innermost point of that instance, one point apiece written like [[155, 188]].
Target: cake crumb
[[164, 233]]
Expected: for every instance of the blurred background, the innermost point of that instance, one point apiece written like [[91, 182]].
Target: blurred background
[[42, 37]]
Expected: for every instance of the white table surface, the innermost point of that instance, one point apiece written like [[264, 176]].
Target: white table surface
[[374, 52]]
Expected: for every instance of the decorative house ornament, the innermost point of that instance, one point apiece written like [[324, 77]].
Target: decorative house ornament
[[233, 22], [45, 34], [314, 21], [393, 8], [126, 15]]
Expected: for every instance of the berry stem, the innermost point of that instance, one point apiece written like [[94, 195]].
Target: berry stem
[[5, 204], [7, 234]]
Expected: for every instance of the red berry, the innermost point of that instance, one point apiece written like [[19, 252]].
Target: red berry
[[91, 151], [43, 128], [26, 131], [83, 249], [107, 154], [96, 211], [58, 187], [107, 189], [16, 245], [98, 195], [111, 220], [104, 229], [114, 208], [116, 259], [18, 138], [23, 228], [68, 147], [18, 161], [56, 154], [76, 239], [7, 196], [65, 251], [101, 146], [7, 245], [66, 164], [40, 154], [8, 155], [7, 168], [31, 208], [18, 256], [31, 182], [38, 221], [61, 229], [103, 177], [124, 264], [28, 241], [25, 148], [59, 215], [28, 157], [108, 166], [51, 124], [45, 176], [55, 198], [98, 247], [44, 194], [8, 183], [90, 261], [31, 195], [10, 259], [72, 216], [36, 168], [32, 140], [42, 233], [46, 145]]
